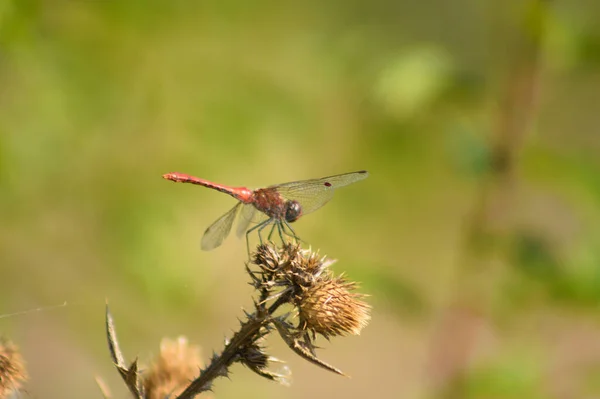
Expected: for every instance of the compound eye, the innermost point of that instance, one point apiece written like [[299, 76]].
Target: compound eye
[[293, 211]]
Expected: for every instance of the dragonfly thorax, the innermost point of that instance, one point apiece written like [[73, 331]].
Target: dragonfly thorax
[[293, 210]]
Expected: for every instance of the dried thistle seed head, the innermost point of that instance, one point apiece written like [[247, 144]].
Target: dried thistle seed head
[[330, 308], [308, 266], [254, 356], [289, 265], [272, 259], [267, 257], [12, 369], [176, 365]]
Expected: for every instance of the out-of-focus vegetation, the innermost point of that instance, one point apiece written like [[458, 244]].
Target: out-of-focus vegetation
[[477, 233]]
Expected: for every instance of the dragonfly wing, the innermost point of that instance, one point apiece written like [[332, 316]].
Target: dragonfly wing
[[310, 201], [313, 194], [216, 232], [249, 215]]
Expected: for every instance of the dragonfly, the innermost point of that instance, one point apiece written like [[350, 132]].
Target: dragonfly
[[277, 205]]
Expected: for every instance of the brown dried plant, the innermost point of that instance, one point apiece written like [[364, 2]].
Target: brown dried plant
[[322, 304], [12, 369]]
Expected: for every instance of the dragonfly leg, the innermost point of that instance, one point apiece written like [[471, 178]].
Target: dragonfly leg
[[260, 227], [293, 233], [281, 229], [284, 228], [276, 224]]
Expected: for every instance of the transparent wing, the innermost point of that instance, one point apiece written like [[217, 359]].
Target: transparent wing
[[313, 194], [216, 232], [249, 215]]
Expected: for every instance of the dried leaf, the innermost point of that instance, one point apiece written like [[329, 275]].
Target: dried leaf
[[302, 348], [129, 374]]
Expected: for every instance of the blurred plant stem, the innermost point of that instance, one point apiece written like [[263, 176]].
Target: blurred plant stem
[[483, 258]]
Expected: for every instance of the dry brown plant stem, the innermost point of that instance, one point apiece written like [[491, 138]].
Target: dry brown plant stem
[[481, 263], [247, 334]]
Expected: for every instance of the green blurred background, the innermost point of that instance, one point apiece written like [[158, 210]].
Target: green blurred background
[[477, 234]]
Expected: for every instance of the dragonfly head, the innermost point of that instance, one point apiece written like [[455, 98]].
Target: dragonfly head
[[293, 210]]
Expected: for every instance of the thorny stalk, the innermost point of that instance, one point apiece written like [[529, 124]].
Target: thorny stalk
[[322, 304]]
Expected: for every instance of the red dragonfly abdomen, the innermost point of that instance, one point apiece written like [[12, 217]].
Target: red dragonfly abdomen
[[242, 194]]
